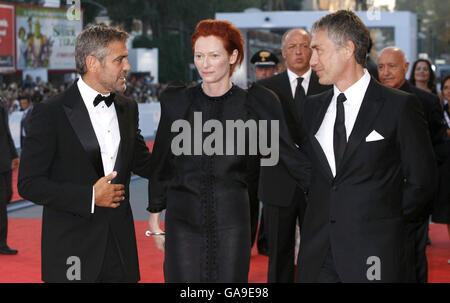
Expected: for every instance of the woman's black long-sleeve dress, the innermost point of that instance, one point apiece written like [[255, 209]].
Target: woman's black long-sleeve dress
[[207, 220]]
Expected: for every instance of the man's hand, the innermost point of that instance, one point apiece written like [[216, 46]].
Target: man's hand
[[15, 163], [106, 194]]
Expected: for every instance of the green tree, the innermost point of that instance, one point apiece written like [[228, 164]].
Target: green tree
[[172, 23], [433, 25]]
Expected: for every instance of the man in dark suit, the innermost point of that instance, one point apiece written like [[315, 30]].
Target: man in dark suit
[[8, 161], [77, 158], [372, 161], [265, 63], [392, 69], [284, 202], [371, 64], [26, 105]]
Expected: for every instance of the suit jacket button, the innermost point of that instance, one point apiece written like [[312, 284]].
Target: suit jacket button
[[335, 188]]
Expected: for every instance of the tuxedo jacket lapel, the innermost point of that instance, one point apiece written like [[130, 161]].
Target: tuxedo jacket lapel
[[315, 87], [286, 92], [78, 117], [285, 87], [317, 122], [370, 107], [124, 123]]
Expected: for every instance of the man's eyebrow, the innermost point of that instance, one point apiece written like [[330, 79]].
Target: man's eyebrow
[[121, 57]]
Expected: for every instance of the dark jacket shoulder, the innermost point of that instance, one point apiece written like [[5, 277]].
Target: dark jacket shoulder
[[274, 80], [259, 90], [173, 93], [317, 99], [395, 94], [422, 94]]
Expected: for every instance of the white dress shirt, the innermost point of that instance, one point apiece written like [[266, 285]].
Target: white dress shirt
[[355, 95], [293, 80], [106, 128]]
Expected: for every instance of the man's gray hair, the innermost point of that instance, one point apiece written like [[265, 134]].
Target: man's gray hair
[[93, 41], [345, 25]]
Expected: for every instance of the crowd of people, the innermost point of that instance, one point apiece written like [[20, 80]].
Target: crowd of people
[[363, 161], [36, 91], [142, 89]]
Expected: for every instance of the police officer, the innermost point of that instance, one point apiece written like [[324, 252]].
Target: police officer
[[265, 64]]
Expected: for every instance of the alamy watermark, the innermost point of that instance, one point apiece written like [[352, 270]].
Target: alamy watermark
[[373, 13], [73, 272], [74, 10], [189, 140], [373, 273]]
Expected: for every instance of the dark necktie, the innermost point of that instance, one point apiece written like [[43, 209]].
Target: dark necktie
[[299, 91], [108, 99], [340, 136]]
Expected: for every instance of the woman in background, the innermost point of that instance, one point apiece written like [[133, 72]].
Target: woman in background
[[445, 99], [422, 76], [441, 205]]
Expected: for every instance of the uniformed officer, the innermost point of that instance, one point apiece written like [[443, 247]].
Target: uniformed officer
[[265, 64]]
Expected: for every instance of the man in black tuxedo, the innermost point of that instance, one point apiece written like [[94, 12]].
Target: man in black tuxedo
[[392, 69], [373, 167], [77, 158], [284, 202], [9, 161], [27, 107]]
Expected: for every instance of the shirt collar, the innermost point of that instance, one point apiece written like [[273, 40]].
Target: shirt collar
[[87, 93], [293, 76], [357, 91]]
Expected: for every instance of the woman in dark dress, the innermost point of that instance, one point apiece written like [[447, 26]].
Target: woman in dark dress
[[204, 189], [441, 204]]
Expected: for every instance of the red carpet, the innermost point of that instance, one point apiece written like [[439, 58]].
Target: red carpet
[[25, 235]]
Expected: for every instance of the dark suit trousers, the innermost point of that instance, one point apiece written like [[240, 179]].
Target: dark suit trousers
[[254, 216], [254, 210], [417, 241], [5, 197], [261, 241], [280, 224]]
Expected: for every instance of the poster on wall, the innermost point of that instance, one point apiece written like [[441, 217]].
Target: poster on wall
[[45, 38], [6, 38]]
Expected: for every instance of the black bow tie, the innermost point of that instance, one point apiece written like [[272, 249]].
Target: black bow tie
[[108, 99]]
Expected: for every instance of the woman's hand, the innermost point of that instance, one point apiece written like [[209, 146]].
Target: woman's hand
[[154, 226]]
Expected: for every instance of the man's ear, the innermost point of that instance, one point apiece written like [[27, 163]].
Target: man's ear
[[349, 48], [92, 63], [406, 67], [283, 53]]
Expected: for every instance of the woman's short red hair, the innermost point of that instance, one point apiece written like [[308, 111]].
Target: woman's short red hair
[[229, 34]]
